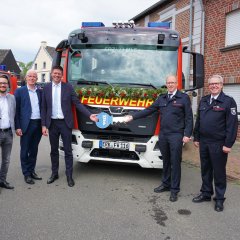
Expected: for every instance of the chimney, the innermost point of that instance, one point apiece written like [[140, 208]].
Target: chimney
[[44, 44]]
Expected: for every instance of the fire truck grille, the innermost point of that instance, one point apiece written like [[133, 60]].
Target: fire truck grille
[[115, 154], [142, 139]]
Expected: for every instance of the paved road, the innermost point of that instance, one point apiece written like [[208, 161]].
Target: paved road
[[110, 202]]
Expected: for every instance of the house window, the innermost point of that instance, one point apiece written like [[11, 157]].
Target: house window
[[233, 90], [35, 66], [169, 21], [43, 77], [44, 65], [168, 15], [232, 28]]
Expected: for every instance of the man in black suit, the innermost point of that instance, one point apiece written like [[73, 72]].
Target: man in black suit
[[28, 125], [57, 117]]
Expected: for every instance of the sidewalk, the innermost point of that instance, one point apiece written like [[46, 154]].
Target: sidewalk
[[191, 155]]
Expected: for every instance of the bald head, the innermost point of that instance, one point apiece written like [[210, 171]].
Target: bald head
[[171, 82]]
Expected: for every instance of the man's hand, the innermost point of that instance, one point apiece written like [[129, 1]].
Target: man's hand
[[127, 118], [226, 149], [196, 144], [186, 139], [19, 132], [44, 131], [94, 117]]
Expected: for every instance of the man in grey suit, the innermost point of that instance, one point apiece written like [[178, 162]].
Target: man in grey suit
[[7, 129]]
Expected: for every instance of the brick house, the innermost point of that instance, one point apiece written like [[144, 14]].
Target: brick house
[[43, 62], [211, 27]]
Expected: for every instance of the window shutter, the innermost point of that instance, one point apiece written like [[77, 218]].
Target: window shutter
[[233, 28], [234, 91]]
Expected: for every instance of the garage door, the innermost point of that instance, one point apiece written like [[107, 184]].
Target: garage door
[[234, 91]]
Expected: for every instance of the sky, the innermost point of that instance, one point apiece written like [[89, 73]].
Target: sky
[[25, 23]]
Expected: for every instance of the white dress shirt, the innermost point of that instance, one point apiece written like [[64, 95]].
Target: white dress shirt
[[56, 101], [34, 103], [4, 113]]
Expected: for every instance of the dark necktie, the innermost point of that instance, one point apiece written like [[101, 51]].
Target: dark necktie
[[211, 100], [169, 96]]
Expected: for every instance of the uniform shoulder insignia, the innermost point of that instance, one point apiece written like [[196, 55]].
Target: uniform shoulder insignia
[[233, 111]]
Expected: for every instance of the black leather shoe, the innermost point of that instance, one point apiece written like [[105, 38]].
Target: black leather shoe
[[201, 198], [29, 180], [70, 181], [161, 188], [52, 179], [6, 185], [219, 206], [173, 197], [35, 176]]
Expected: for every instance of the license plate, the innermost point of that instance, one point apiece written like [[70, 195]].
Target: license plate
[[114, 145]]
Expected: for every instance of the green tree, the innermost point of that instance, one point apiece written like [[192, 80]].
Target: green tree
[[24, 68]]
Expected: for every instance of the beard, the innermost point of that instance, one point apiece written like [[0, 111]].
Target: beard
[[3, 91]]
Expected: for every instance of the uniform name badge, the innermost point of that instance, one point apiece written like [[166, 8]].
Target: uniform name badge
[[104, 120]]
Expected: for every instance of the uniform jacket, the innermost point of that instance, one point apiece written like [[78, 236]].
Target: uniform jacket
[[11, 110], [217, 122], [24, 108], [68, 96], [175, 114]]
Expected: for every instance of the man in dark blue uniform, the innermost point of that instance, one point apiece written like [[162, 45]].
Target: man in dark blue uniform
[[176, 124], [215, 133]]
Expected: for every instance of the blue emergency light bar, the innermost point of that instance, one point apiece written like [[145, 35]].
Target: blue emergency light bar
[[159, 24], [92, 24], [3, 67]]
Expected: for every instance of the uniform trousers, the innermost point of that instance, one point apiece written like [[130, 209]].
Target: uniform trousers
[[171, 148], [213, 167]]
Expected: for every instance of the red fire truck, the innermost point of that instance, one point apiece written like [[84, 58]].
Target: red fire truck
[[117, 70]]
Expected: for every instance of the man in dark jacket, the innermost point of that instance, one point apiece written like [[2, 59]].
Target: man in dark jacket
[[28, 125], [57, 117], [176, 123], [214, 133]]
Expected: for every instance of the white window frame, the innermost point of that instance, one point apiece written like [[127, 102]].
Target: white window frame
[[168, 14], [232, 35]]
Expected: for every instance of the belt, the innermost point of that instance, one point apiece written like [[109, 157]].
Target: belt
[[36, 119], [5, 129], [58, 119]]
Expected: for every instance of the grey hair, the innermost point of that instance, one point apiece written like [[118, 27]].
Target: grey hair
[[219, 77], [31, 70]]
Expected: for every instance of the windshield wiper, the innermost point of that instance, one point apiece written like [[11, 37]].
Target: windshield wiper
[[139, 84], [90, 82]]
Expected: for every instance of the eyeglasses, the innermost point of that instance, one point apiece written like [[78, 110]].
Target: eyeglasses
[[215, 83], [3, 83], [168, 83]]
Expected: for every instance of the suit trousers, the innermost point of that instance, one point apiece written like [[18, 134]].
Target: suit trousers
[[213, 166], [29, 146], [59, 128], [6, 140], [170, 146]]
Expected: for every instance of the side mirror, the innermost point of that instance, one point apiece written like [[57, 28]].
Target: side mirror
[[198, 69], [62, 45]]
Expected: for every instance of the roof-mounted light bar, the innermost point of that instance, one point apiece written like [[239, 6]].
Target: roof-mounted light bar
[[159, 25], [92, 24]]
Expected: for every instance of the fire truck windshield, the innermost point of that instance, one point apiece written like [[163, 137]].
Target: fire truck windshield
[[122, 64]]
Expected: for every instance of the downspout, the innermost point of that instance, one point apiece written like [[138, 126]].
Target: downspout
[[189, 43], [203, 36]]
